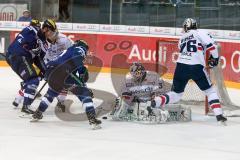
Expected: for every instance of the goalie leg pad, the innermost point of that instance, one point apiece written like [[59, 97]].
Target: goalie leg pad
[[171, 113], [123, 111], [143, 113], [179, 113]]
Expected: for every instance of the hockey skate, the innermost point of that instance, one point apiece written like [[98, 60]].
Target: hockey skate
[[93, 121], [36, 116], [221, 119], [26, 112], [15, 104]]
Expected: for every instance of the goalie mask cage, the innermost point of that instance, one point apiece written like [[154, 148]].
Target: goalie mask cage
[[167, 54]]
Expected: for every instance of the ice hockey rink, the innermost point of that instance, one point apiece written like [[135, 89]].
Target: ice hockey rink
[[54, 139]]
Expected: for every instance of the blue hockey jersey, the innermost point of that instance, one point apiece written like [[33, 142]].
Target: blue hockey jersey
[[27, 43], [75, 54]]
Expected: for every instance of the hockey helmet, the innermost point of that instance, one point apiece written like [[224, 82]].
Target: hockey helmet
[[81, 43], [49, 23], [138, 71], [189, 23], [80, 47], [35, 23]]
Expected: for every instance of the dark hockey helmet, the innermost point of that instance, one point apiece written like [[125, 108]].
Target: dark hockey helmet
[[35, 23], [138, 71], [80, 47], [81, 43], [49, 23], [189, 23]]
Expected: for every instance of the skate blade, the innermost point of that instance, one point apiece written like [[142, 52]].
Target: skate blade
[[25, 115], [223, 123], [96, 126]]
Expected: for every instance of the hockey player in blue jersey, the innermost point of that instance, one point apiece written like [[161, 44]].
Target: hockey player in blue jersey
[[61, 75], [29, 48]]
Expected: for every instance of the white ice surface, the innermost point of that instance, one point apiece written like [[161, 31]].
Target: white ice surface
[[53, 139]]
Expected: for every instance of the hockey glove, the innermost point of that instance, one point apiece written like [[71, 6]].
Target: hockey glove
[[212, 62]]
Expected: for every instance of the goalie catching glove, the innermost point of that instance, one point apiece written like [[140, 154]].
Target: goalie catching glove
[[212, 62]]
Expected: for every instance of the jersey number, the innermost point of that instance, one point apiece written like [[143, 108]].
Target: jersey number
[[191, 46]]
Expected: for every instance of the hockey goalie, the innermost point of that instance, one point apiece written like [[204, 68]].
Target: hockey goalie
[[134, 103]]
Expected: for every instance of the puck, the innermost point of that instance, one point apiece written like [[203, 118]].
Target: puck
[[104, 117]]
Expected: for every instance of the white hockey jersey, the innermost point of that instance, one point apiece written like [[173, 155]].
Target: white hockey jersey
[[143, 91], [194, 46], [54, 50]]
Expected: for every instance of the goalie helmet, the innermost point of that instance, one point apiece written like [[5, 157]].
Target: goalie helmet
[[138, 71], [189, 24]]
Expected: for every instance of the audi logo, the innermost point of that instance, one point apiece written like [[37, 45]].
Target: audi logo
[[235, 68], [124, 45]]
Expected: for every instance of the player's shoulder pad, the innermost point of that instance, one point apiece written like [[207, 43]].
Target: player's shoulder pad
[[29, 30], [62, 38], [60, 35], [205, 36], [202, 32]]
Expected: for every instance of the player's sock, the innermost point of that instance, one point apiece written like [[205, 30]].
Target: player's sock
[[30, 90], [216, 107], [19, 98], [47, 100]]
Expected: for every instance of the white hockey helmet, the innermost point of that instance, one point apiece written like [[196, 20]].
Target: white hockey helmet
[[189, 23]]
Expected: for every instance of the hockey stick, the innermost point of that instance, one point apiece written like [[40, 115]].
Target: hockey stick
[[2, 54], [79, 80], [39, 91]]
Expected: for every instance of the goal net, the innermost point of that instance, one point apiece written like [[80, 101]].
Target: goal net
[[167, 54]]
